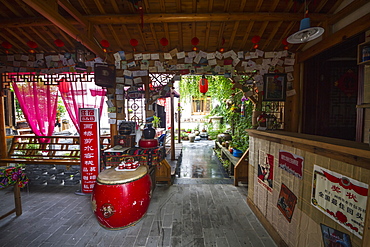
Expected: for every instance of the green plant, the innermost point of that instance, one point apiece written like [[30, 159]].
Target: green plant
[[156, 121]]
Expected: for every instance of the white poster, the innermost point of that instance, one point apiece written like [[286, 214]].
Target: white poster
[[341, 198]]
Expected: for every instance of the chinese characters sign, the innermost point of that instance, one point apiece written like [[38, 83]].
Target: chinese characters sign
[[342, 199], [286, 202], [291, 163], [89, 145]]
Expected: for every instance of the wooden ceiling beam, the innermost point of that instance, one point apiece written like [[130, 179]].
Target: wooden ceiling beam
[[233, 34], [208, 29], [356, 27], [73, 12], [204, 17], [163, 18], [53, 16], [154, 34], [350, 8]]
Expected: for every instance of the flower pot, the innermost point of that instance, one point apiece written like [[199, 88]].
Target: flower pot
[[237, 153], [224, 137]]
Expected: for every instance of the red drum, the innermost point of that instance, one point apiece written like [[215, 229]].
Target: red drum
[[148, 143], [121, 198]]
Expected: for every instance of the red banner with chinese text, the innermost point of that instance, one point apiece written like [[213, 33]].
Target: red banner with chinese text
[[89, 146]]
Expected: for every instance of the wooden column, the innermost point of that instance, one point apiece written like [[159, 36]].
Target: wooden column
[[179, 123], [172, 126], [3, 146]]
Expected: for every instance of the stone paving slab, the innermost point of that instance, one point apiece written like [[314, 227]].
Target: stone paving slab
[[179, 215]]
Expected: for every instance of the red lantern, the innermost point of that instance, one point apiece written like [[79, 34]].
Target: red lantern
[[6, 45], [203, 85], [256, 39], [105, 43], [32, 44], [134, 42], [59, 43], [195, 41], [164, 41], [64, 86]]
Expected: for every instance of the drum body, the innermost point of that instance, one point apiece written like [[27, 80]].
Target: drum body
[[121, 198]]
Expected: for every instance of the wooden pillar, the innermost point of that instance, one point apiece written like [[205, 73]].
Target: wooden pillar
[[366, 236], [3, 146], [172, 126], [179, 122]]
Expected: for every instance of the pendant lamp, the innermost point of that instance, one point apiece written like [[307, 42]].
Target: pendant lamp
[[306, 32]]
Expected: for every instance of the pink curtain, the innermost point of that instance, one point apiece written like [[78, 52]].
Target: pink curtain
[[77, 94], [39, 105]]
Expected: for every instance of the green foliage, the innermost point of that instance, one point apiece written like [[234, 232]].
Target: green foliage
[[221, 89]]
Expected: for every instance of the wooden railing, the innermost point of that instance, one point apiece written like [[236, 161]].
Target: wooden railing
[[59, 150]]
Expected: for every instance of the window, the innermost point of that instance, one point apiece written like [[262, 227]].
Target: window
[[201, 106]]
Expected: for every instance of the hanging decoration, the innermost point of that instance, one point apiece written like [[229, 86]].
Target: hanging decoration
[[255, 40], [64, 86], [59, 43], [80, 57], [134, 43], [32, 45], [285, 43], [195, 42], [164, 41], [105, 44], [222, 49], [203, 85], [6, 46]]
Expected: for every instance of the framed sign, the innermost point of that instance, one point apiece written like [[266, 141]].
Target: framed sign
[[286, 202], [274, 87], [341, 198]]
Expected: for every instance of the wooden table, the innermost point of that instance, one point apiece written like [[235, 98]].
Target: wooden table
[[13, 176]]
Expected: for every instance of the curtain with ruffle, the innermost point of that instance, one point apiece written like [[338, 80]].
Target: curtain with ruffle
[[39, 105]]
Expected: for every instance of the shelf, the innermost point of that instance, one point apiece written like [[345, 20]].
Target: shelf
[[359, 53], [364, 105]]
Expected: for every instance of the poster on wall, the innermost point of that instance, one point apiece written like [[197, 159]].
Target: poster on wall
[[291, 163], [266, 172], [286, 202], [341, 198], [332, 237]]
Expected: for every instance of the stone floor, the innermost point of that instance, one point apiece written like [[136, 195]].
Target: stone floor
[[207, 211]]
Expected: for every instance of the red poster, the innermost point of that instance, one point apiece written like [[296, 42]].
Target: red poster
[[89, 145], [291, 163]]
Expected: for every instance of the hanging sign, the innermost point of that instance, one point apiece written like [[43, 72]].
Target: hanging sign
[[89, 147], [341, 198], [291, 163]]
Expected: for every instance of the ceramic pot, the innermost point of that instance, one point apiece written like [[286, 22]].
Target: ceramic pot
[[149, 132], [224, 137]]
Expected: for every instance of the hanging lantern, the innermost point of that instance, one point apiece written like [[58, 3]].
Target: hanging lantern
[[32, 45], [255, 40], [64, 86], [6, 46], [134, 42], [105, 44], [285, 43], [80, 57], [59, 43], [222, 49], [164, 41], [203, 85], [195, 42]]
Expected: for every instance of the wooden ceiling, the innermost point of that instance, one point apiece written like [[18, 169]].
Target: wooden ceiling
[[216, 23]]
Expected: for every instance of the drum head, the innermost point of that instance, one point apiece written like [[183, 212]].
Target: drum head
[[111, 176]]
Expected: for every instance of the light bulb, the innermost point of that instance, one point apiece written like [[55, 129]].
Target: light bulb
[[305, 36]]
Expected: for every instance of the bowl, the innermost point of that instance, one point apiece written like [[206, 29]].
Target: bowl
[[148, 143]]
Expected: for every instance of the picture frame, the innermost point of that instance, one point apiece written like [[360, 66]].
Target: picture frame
[[274, 87], [331, 237]]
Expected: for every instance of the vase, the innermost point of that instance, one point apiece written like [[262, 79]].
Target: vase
[[149, 132], [224, 137]]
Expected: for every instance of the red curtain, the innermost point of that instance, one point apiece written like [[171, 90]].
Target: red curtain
[[77, 94], [39, 105]]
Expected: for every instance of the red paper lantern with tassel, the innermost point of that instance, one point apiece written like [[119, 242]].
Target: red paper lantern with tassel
[[195, 42], [285, 43], [203, 85], [105, 44], [134, 42], [255, 40], [32, 45], [6, 46], [64, 86]]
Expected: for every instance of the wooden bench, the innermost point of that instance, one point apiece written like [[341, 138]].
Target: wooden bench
[[59, 150]]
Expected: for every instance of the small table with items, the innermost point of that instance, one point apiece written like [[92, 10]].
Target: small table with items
[[13, 176]]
